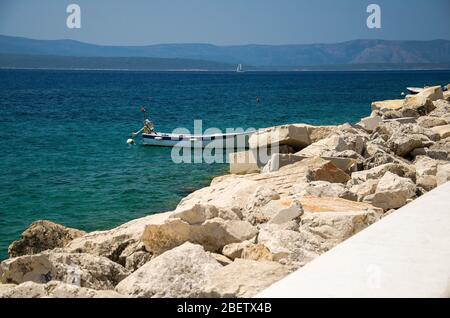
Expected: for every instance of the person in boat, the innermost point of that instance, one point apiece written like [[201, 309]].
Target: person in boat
[[258, 100], [148, 127]]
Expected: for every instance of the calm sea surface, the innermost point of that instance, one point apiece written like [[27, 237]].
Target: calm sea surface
[[62, 134]]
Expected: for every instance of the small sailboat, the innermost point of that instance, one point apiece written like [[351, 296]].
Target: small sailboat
[[239, 69]]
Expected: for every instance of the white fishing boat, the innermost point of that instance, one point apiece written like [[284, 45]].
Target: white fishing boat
[[220, 141], [240, 69], [414, 90]]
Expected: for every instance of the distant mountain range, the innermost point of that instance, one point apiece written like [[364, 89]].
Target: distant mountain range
[[348, 55]]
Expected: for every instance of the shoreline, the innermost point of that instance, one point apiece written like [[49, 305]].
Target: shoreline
[[444, 69], [247, 230]]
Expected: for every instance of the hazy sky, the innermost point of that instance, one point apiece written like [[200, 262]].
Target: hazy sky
[[224, 22]]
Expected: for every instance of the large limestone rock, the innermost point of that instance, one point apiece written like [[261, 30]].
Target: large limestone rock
[[228, 193], [426, 169], [430, 122], [442, 109], [440, 150], [327, 147], [326, 222], [387, 105], [180, 272], [296, 136], [377, 153], [135, 256], [112, 243], [286, 246], [443, 131], [324, 230], [282, 211], [433, 93], [392, 192], [234, 250], [244, 162], [278, 161], [243, 278], [247, 250], [361, 190], [402, 145], [43, 235], [401, 170], [404, 138], [5, 288], [318, 189], [370, 123], [446, 95], [443, 174], [320, 132], [323, 226], [390, 129], [56, 289], [235, 193], [221, 259], [199, 213], [213, 234], [324, 204], [83, 269], [325, 170], [419, 103], [257, 252]]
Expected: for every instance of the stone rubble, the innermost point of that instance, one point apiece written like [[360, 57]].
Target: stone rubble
[[319, 186]]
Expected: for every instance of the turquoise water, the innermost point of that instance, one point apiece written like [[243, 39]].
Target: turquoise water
[[63, 152]]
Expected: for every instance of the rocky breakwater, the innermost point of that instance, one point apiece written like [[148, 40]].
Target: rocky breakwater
[[318, 186]]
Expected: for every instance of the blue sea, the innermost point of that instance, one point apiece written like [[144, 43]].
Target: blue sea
[[63, 134]]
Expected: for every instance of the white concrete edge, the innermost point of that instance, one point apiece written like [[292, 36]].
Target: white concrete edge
[[406, 254]]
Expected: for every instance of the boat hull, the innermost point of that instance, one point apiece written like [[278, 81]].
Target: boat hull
[[225, 141]]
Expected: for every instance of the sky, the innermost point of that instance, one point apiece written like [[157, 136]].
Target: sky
[[225, 22]]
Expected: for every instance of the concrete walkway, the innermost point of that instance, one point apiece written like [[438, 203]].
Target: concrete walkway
[[406, 254]]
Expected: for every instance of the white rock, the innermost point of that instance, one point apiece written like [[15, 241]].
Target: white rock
[[234, 250], [257, 252], [199, 213], [430, 122], [426, 170], [318, 189], [324, 230], [443, 174], [283, 244], [282, 211], [180, 272], [84, 269], [370, 123], [291, 135], [392, 192], [56, 289], [243, 278], [433, 93], [221, 259], [443, 131], [364, 189], [324, 146], [5, 288], [111, 243], [213, 234], [402, 170], [43, 235], [387, 105], [244, 162]]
